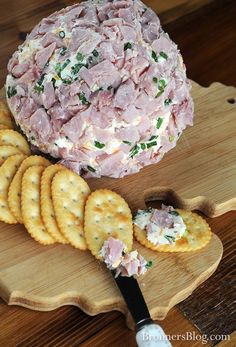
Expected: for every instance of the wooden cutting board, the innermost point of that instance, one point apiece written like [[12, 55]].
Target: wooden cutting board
[[198, 174]]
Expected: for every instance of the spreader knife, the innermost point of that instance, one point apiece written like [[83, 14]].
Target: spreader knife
[[148, 333]]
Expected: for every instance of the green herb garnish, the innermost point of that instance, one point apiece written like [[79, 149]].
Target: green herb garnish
[[174, 213], [159, 123], [127, 143], [127, 45], [164, 55], [154, 137], [39, 85], [167, 102], [38, 88], [154, 56], [169, 238], [143, 146], [149, 264], [161, 87], [76, 68], [95, 53], [67, 81], [151, 144], [11, 91], [63, 51], [134, 151], [62, 34], [90, 168], [79, 57], [155, 79], [59, 67], [185, 234], [83, 99], [171, 138], [99, 144]]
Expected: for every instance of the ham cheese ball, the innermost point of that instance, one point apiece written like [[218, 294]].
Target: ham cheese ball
[[101, 86]]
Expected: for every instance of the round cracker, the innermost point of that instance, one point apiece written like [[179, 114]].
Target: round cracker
[[5, 116], [107, 214], [14, 194], [198, 235], [30, 200], [7, 172], [13, 138], [47, 209], [69, 195], [7, 151]]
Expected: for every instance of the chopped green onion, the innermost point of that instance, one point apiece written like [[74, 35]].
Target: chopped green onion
[[154, 137], [143, 146], [159, 123], [62, 34], [127, 46], [127, 143], [63, 51], [90, 168], [155, 80], [151, 144], [83, 99], [59, 67], [39, 85], [134, 151], [38, 88], [67, 81], [164, 55], [79, 57], [171, 138], [171, 239], [167, 102], [174, 213], [11, 91], [95, 53], [185, 234], [154, 56], [99, 145], [149, 264], [162, 84], [76, 68]]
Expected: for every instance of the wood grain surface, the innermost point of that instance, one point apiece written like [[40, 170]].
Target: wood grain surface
[[206, 39]]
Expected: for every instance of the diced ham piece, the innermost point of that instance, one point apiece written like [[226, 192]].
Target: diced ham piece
[[162, 218], [28, 108], [44, 55], [40, 124], [20, 69], [50, 38], [112, 252], [48, 96], [69, 129], [84, 40], [125, 95]]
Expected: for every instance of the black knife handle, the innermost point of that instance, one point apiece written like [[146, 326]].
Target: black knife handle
[[134, 299]]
